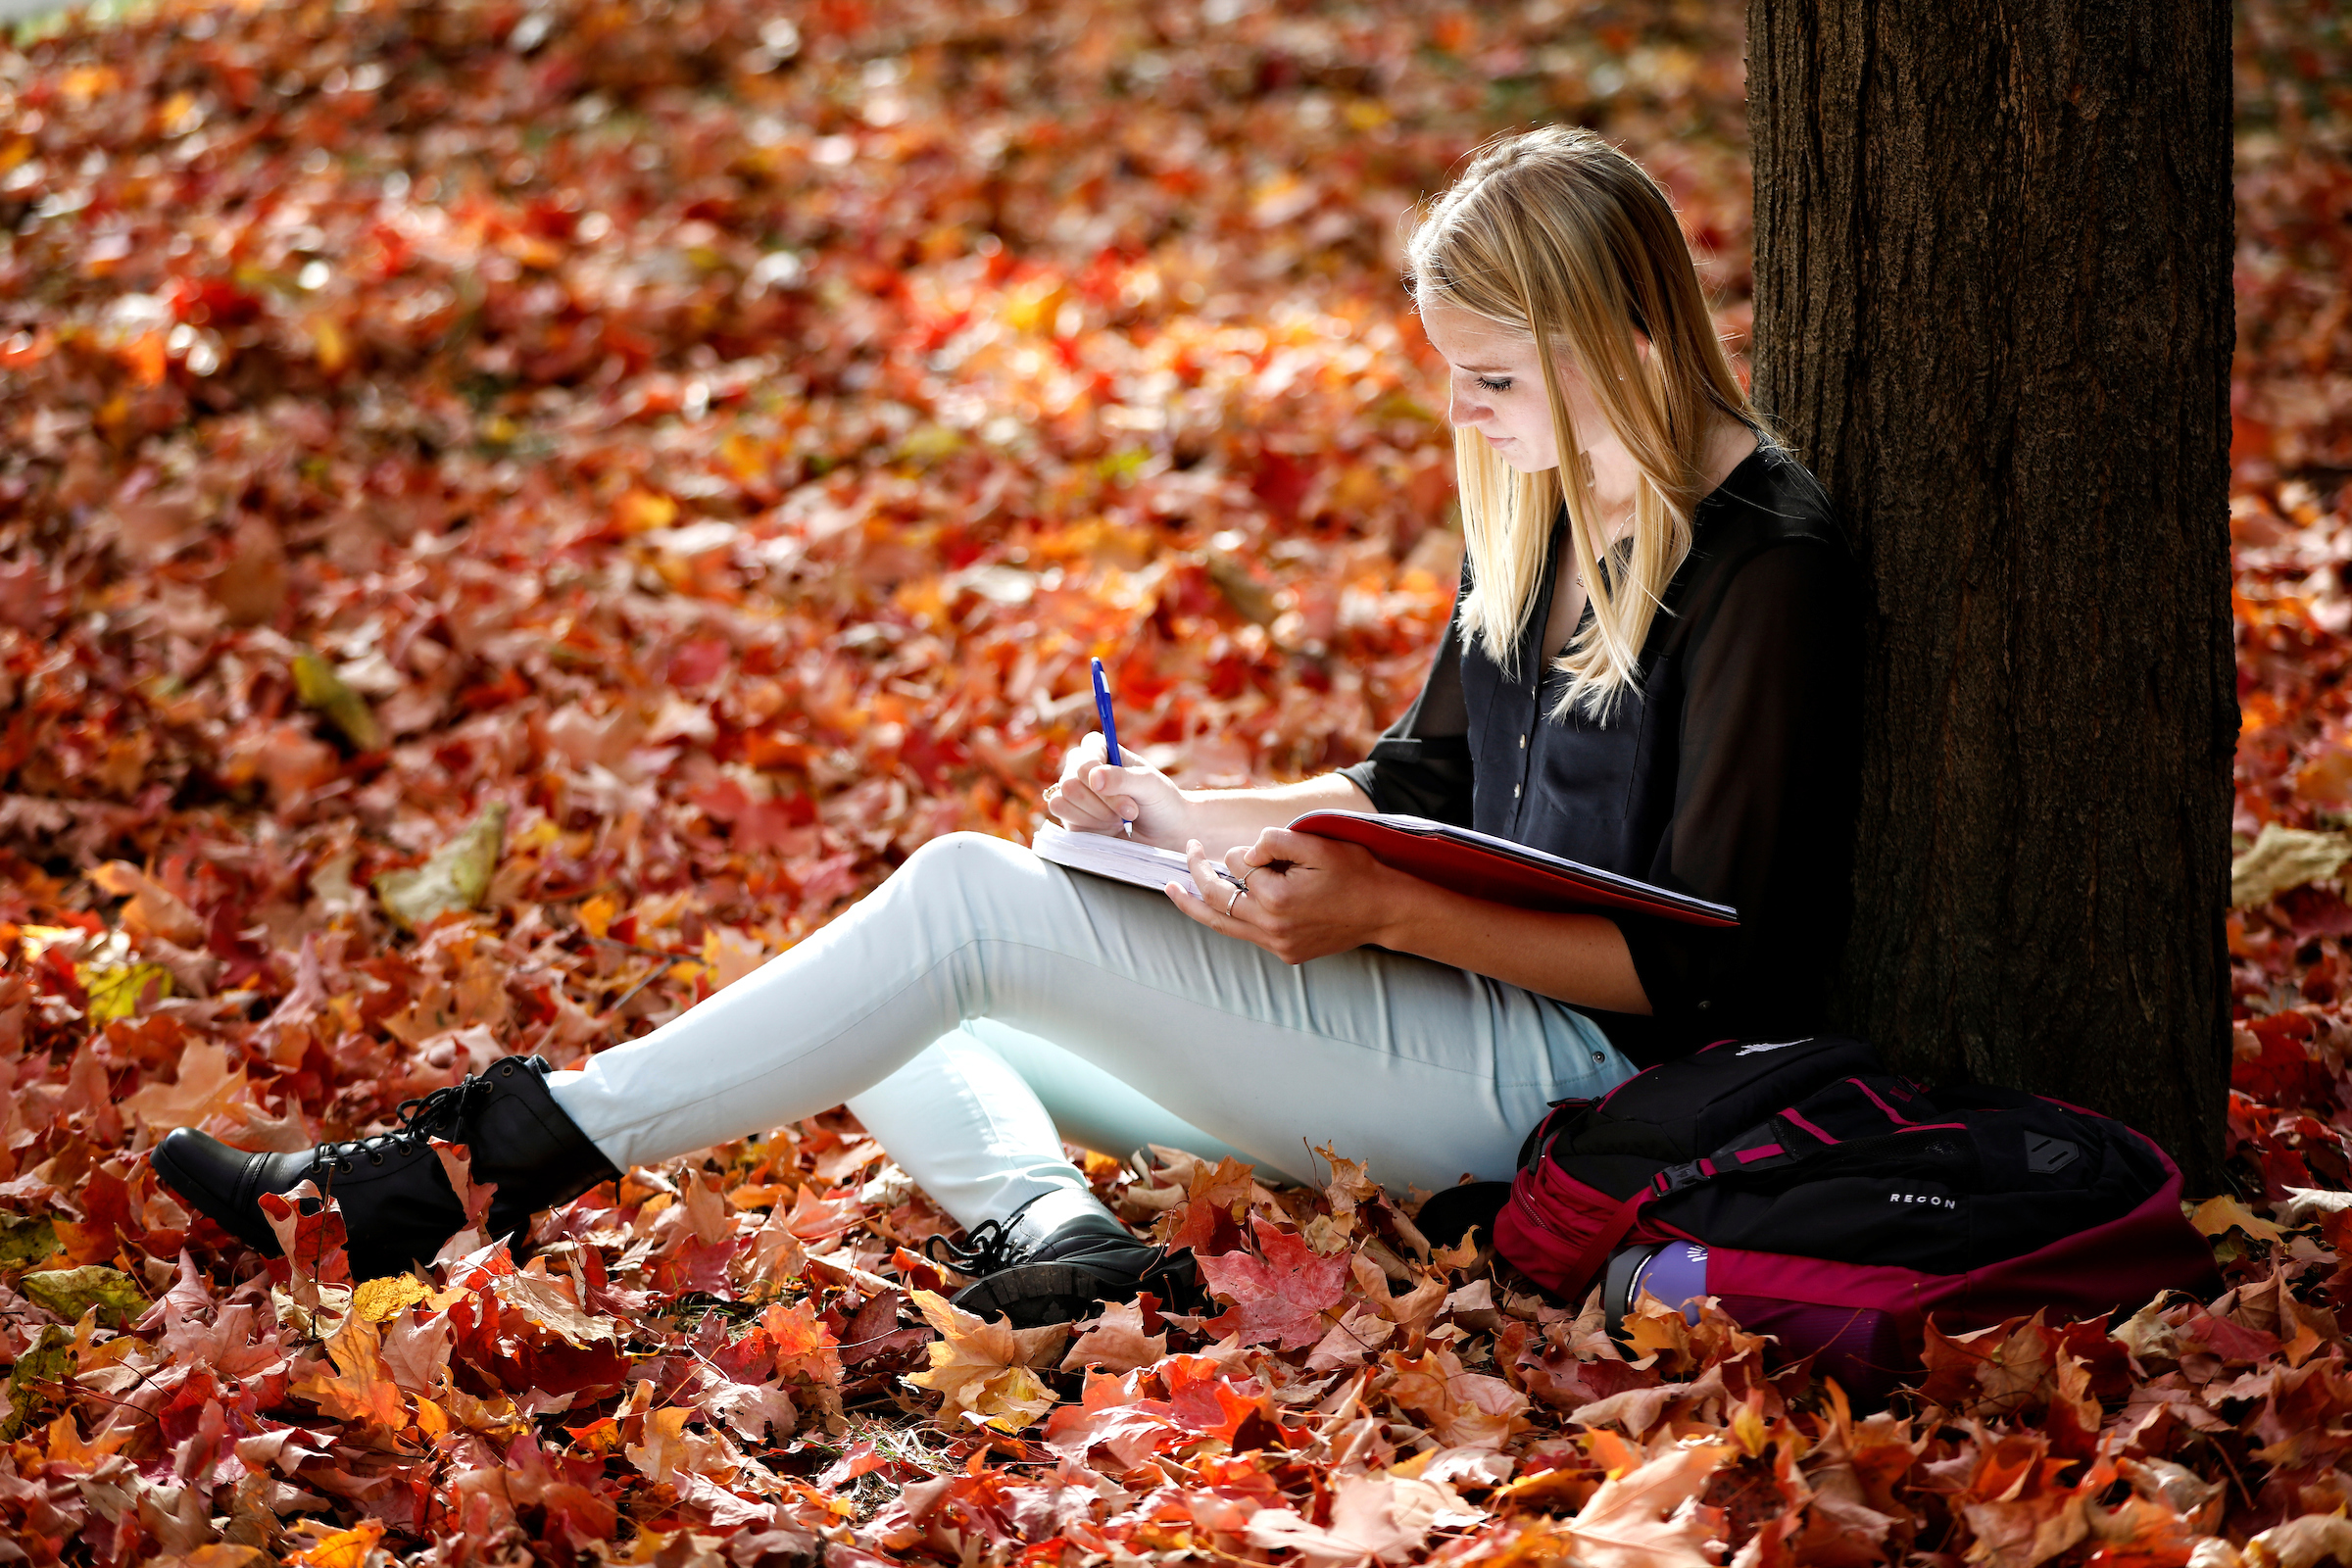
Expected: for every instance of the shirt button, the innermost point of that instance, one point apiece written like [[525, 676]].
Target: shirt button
[[1514, 791], [1523, 743], [1599, 1058]]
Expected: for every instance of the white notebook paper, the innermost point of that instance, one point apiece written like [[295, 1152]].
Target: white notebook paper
[[1122, 858]]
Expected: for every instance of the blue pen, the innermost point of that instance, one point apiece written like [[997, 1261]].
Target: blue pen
[[1111, 731]]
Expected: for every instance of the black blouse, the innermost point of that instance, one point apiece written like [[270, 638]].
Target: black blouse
[[1729, 774]]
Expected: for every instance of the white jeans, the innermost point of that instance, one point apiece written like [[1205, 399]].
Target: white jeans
[[982, 996]]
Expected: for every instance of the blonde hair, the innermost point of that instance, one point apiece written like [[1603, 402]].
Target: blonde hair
[[1557, 234]]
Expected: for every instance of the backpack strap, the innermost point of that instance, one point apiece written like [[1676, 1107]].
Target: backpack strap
[[1672, 1179]]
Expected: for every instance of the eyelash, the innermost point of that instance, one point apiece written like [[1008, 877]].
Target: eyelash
[[1492, 385]]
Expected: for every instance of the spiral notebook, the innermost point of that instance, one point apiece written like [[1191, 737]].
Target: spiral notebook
[[1459, 858]]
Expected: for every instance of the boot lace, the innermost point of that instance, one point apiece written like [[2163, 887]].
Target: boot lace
[[439, 1115], [987, 1248]]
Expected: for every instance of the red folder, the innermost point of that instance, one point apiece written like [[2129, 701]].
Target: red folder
[[1496, 869]]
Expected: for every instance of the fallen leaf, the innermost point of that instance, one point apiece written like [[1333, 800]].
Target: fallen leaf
[[2283, 857], [320, 687], [2216, 1216], [1651, 1516], [380, 1301], [68, 1292], [1284, 1293], [206, 1087], [360, 1388], [982, 1371], [345, 1548], [38, 1380], [120, 989], [1115, 1341], [549, 1303], [153, 910], [454, 877], [26, 1238], [1386, 1518]]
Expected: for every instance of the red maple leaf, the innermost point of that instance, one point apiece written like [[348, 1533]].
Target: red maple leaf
[[1279, 1293]]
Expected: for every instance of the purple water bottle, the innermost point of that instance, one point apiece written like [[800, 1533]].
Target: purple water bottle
[[1675, 1273]]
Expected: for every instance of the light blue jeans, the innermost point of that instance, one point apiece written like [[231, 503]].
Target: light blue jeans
[[981, 1005]]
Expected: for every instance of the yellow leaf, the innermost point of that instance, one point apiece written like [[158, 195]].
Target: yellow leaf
[[321, 689], [981, 1370], [2216, 1215], [334, 349], [457, 875], [363, 1389], [37, 1380], [25, 1240], [596, 915], [644, 511], [345, 1548], [383, 1300], [84, 83], [115, 990], [67, 1293]]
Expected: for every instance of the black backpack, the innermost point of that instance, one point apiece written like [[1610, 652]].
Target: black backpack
[[1835, 1204]]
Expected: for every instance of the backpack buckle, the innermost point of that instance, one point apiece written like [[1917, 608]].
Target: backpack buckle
[[1674, 1178]]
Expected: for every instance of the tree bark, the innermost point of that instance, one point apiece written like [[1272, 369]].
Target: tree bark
[[1993, 313]]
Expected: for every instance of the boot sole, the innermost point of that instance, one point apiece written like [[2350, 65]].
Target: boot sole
[[1032, 1295]]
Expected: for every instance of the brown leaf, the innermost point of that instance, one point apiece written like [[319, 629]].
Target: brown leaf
[[154, 910], [1115, 1341]]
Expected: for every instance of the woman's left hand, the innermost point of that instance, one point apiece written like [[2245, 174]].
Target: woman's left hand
[[1307, 897]]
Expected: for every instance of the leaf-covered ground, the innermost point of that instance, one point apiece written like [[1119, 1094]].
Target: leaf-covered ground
[[511, 516]]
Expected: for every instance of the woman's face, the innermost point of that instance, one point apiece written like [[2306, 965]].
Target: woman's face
[[1497, 388]]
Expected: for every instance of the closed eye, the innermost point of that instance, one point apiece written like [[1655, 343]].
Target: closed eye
[[1495, 384]]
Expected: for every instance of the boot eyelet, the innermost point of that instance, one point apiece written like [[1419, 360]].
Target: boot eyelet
[[376, 1159], [507, 1071]]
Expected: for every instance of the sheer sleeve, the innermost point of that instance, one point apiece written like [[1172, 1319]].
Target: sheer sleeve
[[1763, 803], [1421, 766]]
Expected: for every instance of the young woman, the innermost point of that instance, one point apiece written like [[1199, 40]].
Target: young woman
[[1651, 672]]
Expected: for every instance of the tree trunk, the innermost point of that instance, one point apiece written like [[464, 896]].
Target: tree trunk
[[1993, 313]]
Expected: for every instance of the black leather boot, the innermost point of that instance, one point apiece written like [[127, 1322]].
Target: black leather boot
[[398, 1206], [1033, 1274]]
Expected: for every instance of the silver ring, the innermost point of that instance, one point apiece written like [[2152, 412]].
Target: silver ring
[[1230, 903], [1245, 877]]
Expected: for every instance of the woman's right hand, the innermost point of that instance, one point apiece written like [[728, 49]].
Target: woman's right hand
[[1094, 796]]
